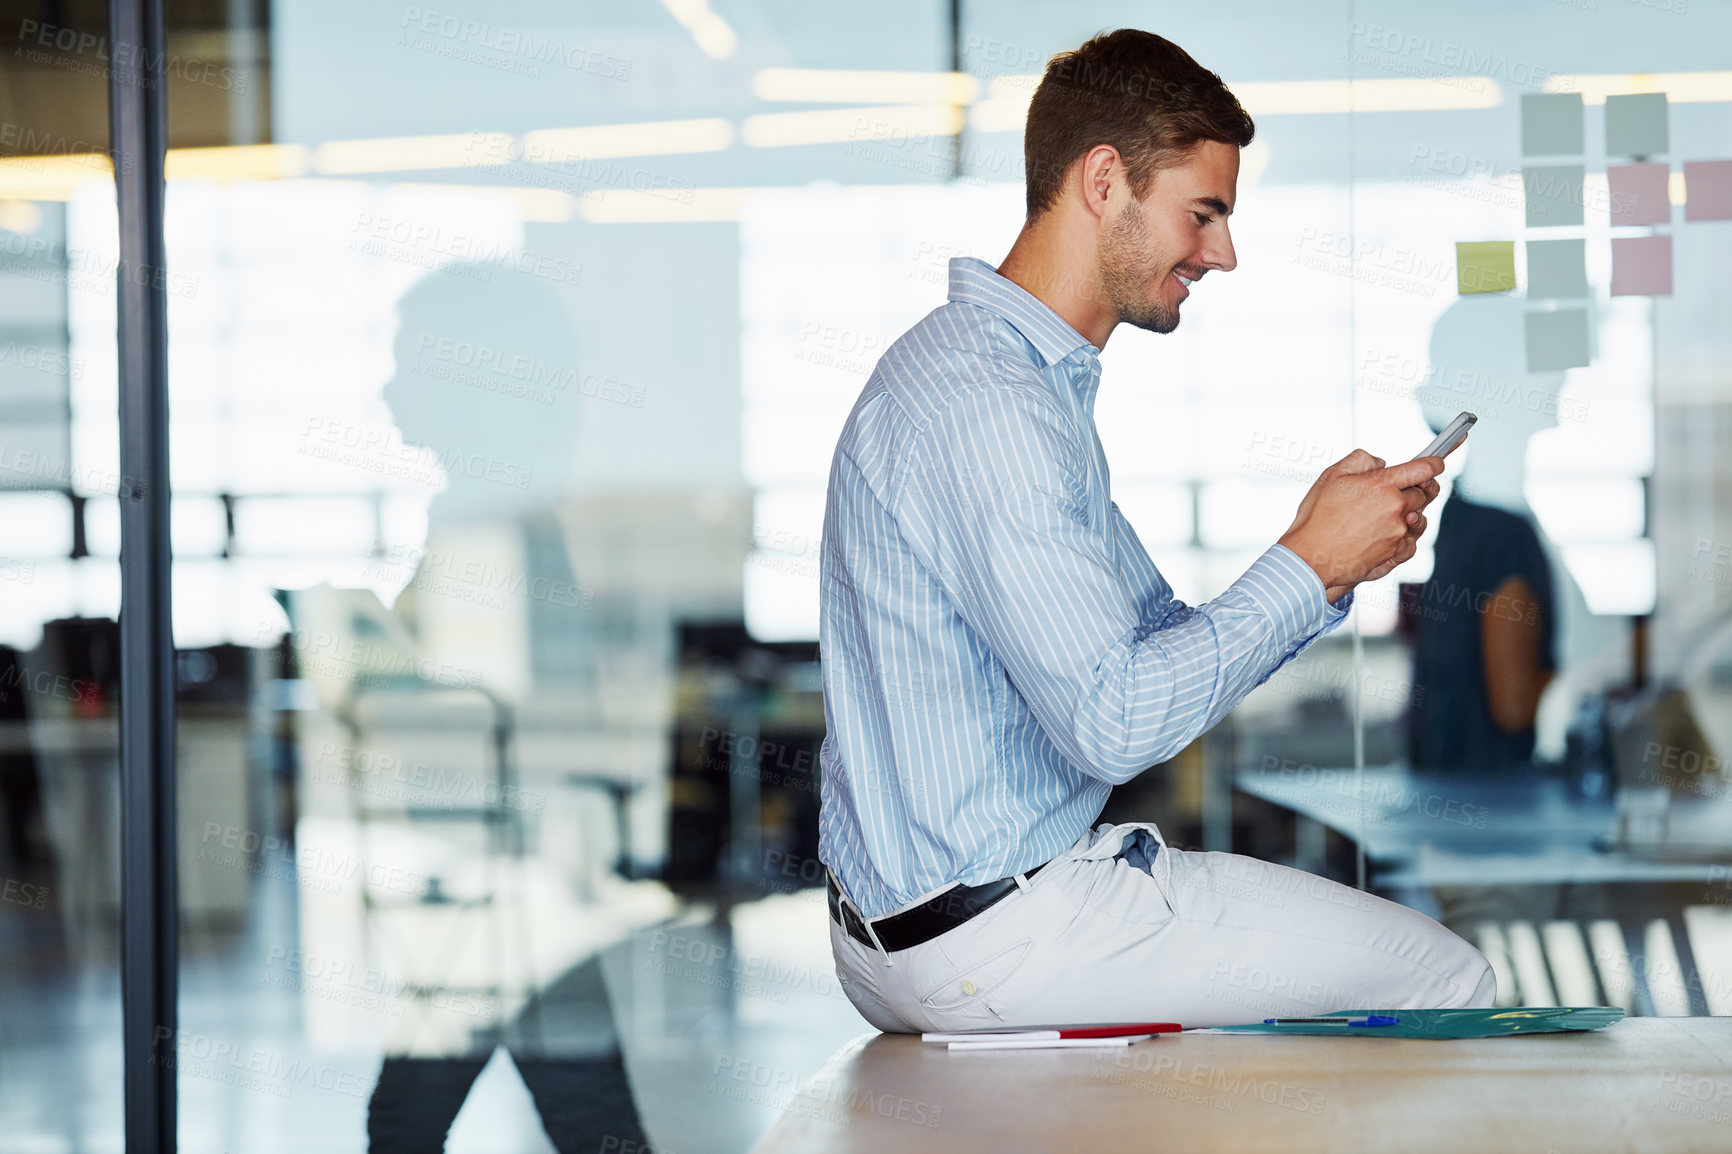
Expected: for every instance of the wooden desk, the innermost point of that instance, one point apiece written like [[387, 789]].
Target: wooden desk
[[1644, 1084]]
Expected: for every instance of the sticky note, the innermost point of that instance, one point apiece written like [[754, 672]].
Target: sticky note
[[1638, 193], [1636, 124], [1557, 268], [1557, 340], [1484, 266], [1552, 124], [1708, 190], [1554, 194], [1641, 266]]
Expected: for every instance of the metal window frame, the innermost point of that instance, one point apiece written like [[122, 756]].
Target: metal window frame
[[149, 954]]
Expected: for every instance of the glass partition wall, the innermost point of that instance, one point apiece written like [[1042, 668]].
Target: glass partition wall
[[1537, 691], [509, 346]]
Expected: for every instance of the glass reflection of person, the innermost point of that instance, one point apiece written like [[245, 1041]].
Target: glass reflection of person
[[1486, 634], [487, 379]]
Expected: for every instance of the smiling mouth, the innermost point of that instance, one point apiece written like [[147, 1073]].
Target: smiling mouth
[[1184, 281]]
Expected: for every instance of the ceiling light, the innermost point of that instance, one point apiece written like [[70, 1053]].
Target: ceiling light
[[713, 36], [406, 153], [1679, 87], [851, 125], [652, 138], [819, 85]]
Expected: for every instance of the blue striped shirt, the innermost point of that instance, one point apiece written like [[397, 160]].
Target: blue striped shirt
[[998, 649]]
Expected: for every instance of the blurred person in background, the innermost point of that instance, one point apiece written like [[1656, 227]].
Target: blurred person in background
[[1486, 622]]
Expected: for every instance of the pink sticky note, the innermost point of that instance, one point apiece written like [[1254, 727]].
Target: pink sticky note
[[1641, 266], [1708, 190], [1638, 193]]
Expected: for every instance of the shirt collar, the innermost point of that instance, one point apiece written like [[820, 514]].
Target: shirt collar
[[973, 281]]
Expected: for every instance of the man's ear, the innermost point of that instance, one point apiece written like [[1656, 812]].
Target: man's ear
[[1096, 173]]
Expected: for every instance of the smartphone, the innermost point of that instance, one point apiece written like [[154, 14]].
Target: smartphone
[[1453, 435]]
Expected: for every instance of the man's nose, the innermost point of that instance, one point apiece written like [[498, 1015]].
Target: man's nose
[[1218, 252]]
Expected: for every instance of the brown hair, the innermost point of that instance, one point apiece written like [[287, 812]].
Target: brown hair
[[1136, 91]]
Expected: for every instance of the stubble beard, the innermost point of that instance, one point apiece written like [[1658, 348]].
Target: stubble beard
[[1124, 260]]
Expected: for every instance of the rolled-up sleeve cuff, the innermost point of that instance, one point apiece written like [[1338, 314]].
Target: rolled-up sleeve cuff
[[1290, 592]]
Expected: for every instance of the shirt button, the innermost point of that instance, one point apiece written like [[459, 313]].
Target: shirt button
[[970, 988]]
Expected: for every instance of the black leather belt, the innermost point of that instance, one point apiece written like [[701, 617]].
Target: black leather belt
[[927, 920]]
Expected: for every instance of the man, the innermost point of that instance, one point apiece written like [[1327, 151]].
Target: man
[[999, 651]]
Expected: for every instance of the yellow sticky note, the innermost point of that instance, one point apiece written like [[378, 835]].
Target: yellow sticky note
[[1484, 266]]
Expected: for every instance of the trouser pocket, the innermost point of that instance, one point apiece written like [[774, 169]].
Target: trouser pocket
[[972, 983], [1129, 875], [1115, 840]]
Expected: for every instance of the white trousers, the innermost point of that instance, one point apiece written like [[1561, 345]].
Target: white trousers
[[1102, 934]]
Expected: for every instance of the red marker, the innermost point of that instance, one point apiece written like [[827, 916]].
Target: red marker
[[1057, 1033]]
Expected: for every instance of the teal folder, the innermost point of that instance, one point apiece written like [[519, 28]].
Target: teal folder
[[1440, 1023]]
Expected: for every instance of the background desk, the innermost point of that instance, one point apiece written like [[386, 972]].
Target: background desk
[[1428, 832]]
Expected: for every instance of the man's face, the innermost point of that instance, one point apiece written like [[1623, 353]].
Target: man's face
[[1172, 236]]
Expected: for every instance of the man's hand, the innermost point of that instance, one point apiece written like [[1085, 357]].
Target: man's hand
[[1362, 518]]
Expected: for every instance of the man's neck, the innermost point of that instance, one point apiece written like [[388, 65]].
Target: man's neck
[[1053, 260]]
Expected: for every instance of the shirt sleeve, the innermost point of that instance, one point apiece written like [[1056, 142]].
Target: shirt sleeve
[[996, 503], [1158, 608]]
